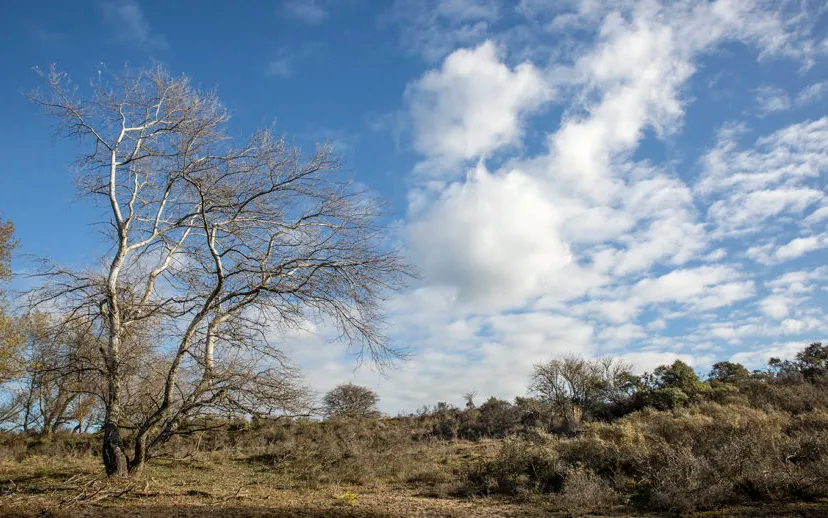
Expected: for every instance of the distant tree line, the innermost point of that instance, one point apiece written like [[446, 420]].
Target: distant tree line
[[567, 393]]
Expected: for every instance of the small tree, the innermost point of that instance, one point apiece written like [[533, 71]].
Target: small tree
[[574, 385], [349, 400], [729, 372], [810, 364], [681, 376]]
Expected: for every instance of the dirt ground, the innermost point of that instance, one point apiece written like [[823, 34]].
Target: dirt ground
[[78, 488], [71, 487]]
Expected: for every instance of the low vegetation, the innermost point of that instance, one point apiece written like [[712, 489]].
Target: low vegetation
[[665, 442]]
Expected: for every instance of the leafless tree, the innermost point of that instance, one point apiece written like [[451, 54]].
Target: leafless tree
[[352, 401], [214, 242], [574, 385], [62, 374]]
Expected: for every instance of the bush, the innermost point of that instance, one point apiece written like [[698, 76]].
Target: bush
[[351, 401], [583, 491], [519, 468]]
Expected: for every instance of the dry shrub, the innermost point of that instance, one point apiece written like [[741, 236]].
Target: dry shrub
[[15, 446], [351, 451], [703, 457], [583, 491], [520, 467]]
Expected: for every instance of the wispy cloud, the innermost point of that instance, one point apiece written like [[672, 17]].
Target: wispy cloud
[[127, 22], [434, 28], [770, 99], [286, 60], [812, 93], [279, 67], [312, 12]]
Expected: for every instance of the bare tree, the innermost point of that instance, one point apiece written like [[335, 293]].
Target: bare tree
[[62, 374], [352, 401], [575, 385], [217, 243]]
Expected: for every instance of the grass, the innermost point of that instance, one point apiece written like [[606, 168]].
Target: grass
[[213, 484], [432, 479]]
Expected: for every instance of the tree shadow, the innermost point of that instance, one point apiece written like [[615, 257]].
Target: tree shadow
[[189, 511]]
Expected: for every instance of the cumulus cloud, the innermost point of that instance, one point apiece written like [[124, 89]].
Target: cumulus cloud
[[494, 237], [472, 106], [647, 361], [759, 358], [773, 254]]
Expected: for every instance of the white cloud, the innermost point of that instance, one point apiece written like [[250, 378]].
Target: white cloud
[[435, 28], [771, 99], [618, 336], [776, 306], [746, 211], [771, 254], [779, 176], [279, 67], [812, 93], [799, 246], [312, 12], [473, 105], [285, 60], [789, 156], [129, 24], [703, 288], [757, 359], [647, 361], [682, 285], [494, 238], [817, 216]]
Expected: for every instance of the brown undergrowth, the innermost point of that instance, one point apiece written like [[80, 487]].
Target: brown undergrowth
[[701, 459]]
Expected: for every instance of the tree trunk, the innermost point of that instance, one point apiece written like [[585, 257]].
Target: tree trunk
[[114, 458], [136, 465]]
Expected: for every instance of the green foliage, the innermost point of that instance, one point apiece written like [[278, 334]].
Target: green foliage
[[680, 376], [667, 398], [729, 372], [810, 364]]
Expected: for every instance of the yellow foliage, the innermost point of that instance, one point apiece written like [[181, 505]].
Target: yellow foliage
[[347, 497]]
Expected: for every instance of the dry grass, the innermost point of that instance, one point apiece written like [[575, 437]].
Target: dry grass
[[230, 485], [215, 485]]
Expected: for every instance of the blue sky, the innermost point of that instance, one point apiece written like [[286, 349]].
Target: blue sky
[[644, 179]]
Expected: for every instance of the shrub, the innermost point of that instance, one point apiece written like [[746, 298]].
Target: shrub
[[351, 401], [583, 491]]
